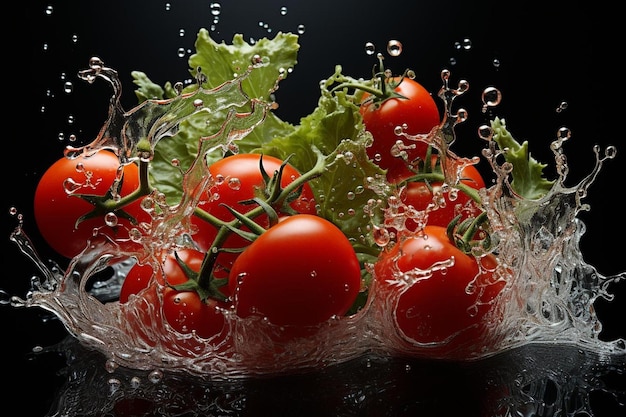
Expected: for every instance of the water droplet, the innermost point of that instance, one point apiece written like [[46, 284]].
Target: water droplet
[[394, 48], [49, 9], [110, 219], [181, 52], [283, 11], [496, 63], [491, 97], [216, 9], [234, 184], [168, 7], [452, 61], [155, 376], [467, 44], [181, 32], [74, 38], [300, 29], [370, 49], [562, 106]]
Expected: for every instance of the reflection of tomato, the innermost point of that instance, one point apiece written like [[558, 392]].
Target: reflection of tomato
[[183, 310], [417, 110], [300, 272], [57, 212], [439, 308], [239, 178], [421, 194]]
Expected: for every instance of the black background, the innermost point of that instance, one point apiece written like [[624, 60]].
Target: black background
[[564, 52]]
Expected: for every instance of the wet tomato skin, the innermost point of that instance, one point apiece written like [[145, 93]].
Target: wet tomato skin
[[300, 272], [184, 310], [56, 212], [418, 111], [439, 310], [238, 178]]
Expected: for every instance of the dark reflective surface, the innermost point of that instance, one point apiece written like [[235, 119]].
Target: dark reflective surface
[[546, 57]]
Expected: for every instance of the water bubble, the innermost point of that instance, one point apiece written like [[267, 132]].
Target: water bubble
[[491, 97], [74, 38], [181, 32], [370, 48], [70, 120], [467, 44], [496, 63], [234, 184], [452, 61], [168, 7], [216, 9], [485, 132], [283, 11], [394, 48], [49, 9], [562, 106], [181, 52], [155, 376], [61, 136], [110, 219], [300, 29]]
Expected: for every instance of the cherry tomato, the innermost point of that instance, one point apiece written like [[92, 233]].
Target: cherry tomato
[[238, 178], [56, 212], [300, 272], [420, 195], [184, 310], [440, 309], [418, 111]]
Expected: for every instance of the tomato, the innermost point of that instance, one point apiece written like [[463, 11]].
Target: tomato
[[420, 195], [238, 178], [56, 212], [439, 309], [184, 310], [418, 111], [300, 272]]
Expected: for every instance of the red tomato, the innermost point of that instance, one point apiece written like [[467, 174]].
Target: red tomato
[[418, 111], [439, 308], [300, 272], [56, 212], [238, 178], [183, 310], [420, 195]]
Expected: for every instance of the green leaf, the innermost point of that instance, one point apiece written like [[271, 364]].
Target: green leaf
[[528, 180], [220, 63], [335, 128]]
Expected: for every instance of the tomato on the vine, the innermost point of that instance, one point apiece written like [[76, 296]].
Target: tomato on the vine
[[57, 208], [300, 272], [448, 308], [416, 109], [184, 310], [238, 178], [422, 194]]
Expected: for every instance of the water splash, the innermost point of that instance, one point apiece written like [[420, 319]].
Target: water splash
[[532, 237]]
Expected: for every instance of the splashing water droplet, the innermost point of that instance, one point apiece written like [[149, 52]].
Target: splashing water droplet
[[467, 44], [370, 49], [216, 9], [394, 48], [562, 106], [491, 97]]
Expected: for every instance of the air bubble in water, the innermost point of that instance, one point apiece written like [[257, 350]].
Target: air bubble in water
[[496, 63], [68, 87], [49, 9], [394, 48], [562, 106], [283, 11], [74, 38], [370, 49], [467, 44], [181, 32], [168, 7], [300, 29]]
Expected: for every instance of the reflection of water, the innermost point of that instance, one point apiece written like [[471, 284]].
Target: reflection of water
[[534, 380]]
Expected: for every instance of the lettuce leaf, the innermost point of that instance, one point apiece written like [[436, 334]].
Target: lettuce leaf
[[527, 175], [214, 64]]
